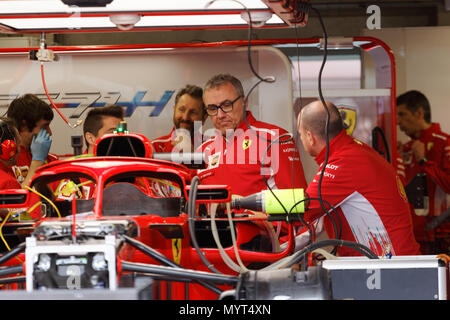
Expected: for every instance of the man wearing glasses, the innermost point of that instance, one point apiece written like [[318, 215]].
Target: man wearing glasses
[[246, 154]]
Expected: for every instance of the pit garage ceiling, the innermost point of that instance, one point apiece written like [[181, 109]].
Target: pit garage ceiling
[[195, 21], [59, 16]]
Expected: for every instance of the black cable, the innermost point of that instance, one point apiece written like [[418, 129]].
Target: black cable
[[276, 140], [191, 217], [337, 232], [11, 254], [6, 271], [163, 259], [324, 105], [267, 79], [8, 280], [334, 242], [150, 252], [250, 29], [263, 175], [327, 142], [177, 273]]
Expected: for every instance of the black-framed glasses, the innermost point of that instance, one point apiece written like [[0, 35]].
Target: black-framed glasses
[[226, 106]]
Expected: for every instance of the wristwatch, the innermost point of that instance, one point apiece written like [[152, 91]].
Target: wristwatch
[[423, 161]]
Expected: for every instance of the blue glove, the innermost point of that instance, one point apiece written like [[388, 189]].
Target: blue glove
[[40, 145]]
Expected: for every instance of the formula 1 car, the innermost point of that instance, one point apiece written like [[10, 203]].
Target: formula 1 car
[[94, 227], [125, 214]]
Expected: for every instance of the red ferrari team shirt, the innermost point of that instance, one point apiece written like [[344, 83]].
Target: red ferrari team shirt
[[164, 143], [368, 196], [167, 143], [7, 179], [243, 159], [22, 166], [437, 169]]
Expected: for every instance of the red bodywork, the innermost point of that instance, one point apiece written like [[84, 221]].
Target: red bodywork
[[156, 230]]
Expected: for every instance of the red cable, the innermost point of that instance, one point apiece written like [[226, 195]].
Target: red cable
[[50, 99]]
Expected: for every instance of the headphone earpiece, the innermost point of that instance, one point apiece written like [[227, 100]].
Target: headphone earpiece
[[8, 149]]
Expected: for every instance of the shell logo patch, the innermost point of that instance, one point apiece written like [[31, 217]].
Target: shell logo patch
[[401, 189], [348, 115]]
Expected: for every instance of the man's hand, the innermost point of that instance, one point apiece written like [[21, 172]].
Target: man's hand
[[182, 142], [40, 145], [418, 150]]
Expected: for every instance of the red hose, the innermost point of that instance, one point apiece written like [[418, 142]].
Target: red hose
[[50, 99]]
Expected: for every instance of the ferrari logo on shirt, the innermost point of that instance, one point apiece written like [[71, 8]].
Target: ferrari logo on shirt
[[429, 146], [246, 144]]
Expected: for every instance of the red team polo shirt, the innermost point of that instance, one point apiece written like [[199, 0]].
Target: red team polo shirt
[[7, 179], [368, 196], [437, 169], [22, 166], [237, 160], [164, 143]]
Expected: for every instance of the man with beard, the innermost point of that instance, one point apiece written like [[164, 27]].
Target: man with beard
[[188, 108]]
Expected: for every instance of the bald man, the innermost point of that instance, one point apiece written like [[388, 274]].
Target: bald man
[[361, 185]]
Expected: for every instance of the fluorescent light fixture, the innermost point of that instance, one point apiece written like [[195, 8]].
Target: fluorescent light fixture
[[170, 21], [56, 6], [54, 15]]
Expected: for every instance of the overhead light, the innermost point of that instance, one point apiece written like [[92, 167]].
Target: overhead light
[[169, 22], [258, 18], [35, 7], [87, 3], [125, 21]]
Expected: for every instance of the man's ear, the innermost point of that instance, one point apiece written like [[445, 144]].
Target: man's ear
[[311, 138], [419, 113], [90, 138], [23, 127]]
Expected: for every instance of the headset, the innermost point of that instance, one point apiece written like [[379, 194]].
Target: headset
[[8, 147]]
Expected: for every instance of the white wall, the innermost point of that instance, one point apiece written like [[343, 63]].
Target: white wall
[[422, 63], [81, 79]]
